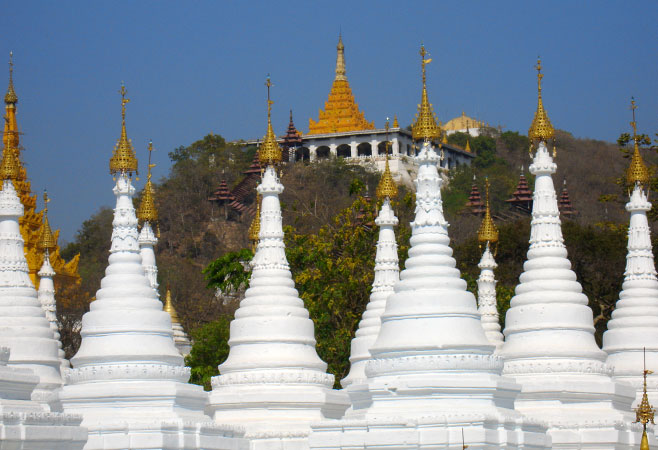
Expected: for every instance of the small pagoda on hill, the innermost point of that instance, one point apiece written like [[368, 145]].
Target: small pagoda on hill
[[564, 203], [521, 199], [474, 205], [290, 141]]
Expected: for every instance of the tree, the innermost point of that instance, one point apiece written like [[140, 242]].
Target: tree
[[209, 350]]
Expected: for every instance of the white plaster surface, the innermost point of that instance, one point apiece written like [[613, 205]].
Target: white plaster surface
[[487, 303]]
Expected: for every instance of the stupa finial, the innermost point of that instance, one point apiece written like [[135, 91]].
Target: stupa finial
[[425, 127], [468, 146], [123, 158], [10, 97], [637, 172], [269, 152], [46, 238], [147, 212], [541, 129], [10, 166], [644, 413], [340, 59], [169, 307], [386, 187], [254, 228], [488, 232]]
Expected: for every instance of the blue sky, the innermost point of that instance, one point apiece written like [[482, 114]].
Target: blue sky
[[196, 67]]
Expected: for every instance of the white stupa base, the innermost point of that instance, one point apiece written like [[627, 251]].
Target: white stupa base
[[429, 411], [27, 424], [275, 408], [581, 410]]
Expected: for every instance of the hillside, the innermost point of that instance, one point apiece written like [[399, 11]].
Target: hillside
[[194, 231]]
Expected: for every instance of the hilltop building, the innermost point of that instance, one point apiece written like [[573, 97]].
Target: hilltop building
[[464, 124]]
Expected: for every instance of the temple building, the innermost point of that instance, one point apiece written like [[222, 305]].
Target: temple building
[[30, 222], [464, 124]]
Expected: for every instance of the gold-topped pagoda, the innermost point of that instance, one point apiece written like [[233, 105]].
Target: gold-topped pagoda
[[488, 232], [541, 129], [147, 212], [31, 221], [341, 113], [425, 127], [637, 172]]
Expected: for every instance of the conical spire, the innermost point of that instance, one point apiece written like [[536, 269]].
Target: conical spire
[[340, 60], [396, 124], [269, 151], [425, 127], [488, 232], [123, 158], [254, 228], [10, 166], [147, 212], [47, 241], [644, 413], [468, 146], [386, 187], [637, 172], [10, 97], [541, 129], [180, 337]]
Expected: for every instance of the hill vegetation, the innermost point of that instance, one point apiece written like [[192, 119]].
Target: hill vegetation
[[330, 236]]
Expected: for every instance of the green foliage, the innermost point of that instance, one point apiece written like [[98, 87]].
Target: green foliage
[[209, 350], [514, 142], [229, 273], [483, 146]]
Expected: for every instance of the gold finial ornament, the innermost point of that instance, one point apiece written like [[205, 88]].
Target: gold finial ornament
[[147, 212], [644, 413], [637, 172], [340, 60], [10, 97], [269, 152], [396, 124], [386, 187], [488, 232], [468, 146], [425, 127], [169, 307], [541, 129], [46, 238], [254, 228], [123, 158]]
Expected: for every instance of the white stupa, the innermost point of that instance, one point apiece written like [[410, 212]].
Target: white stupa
[[24, 327], [46, 292], [549, 334], [487, 303], [273, 382], [128, 380], [387, 273], [181, 340], [634, 323], [433, 374], [24, 424], [147, 214]]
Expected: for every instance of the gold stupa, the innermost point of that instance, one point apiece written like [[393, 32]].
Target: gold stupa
[[425, 127], [387, 187], [169, 307], [645, 413], [488, 232], [541, 129], [123, 158], [269, 152], [341, 113], [147, 212], [31, 221], [254, 228]]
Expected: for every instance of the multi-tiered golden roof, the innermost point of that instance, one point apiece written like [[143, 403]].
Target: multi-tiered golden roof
[[488, 232], [637, 172], [425, 127], [341, 113], [31, 221], [541, 129]]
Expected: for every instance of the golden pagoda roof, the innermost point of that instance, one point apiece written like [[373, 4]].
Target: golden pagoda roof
[[468, 146], [396, 124], [386, 187], [541, 128], [123, 158], [269, 152], [46, 239], [425, 127], [10, 96], [341, 113], [169, 307], [488, 232], [462, 122], [147, 212], [637, 172]]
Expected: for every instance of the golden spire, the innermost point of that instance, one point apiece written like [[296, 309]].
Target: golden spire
[[123, 158], [644, 413], [425, 127], [46, 239], [169, 307], [444, 138], [386, 187], [637, 172], [340, 60], [468, 146], [10, 96], [254, 228], [269, 152], [541, 128], [396, 124], [147, 211], [488, 232], [10, 166]]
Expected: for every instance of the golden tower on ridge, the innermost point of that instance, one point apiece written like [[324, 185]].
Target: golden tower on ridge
[[341, 113], [31, 222]]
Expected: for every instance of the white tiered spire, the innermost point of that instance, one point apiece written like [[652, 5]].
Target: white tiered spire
[[487, 303], [23, 324], [181, 340], [148, 215], [128, 379], [549, 334], [273, 381], [634, 323], [387, 273]]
